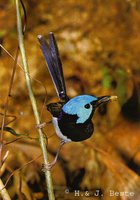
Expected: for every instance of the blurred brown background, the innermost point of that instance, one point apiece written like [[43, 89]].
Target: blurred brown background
[[99, 44]]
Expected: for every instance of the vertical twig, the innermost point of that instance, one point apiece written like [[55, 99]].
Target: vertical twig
[[6, 104], [3, 192], [33, 102]]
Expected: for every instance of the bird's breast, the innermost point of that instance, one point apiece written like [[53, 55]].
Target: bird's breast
[[73, 131], [58, 131]]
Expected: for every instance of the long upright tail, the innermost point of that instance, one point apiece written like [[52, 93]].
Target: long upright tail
[[51, 54]]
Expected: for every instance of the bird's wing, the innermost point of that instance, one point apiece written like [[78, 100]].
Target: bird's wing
[[51, 54], [55, 108]]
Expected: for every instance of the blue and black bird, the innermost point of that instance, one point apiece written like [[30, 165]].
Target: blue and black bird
[[72, 118]]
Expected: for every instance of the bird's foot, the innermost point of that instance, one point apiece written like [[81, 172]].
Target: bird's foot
[[48, 166], [42, 125]]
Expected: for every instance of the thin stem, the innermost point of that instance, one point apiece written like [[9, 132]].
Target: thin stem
[[3, 192], [6, 104], [33, 102]]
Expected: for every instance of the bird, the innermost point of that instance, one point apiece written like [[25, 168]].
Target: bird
[[71, 118]]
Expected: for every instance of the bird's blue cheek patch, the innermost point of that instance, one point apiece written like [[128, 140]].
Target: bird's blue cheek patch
[[76, 106], [83, 115]]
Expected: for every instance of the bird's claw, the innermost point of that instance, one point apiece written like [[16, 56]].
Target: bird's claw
[[47, 167], [40, 126]]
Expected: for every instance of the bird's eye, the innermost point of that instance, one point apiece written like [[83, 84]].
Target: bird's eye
[[87, 106]]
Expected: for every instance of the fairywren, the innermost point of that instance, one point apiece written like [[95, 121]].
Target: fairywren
[[72, 118]]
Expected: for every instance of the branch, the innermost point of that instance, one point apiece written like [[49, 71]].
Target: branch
[[33, 102]]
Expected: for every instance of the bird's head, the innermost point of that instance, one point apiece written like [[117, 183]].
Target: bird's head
[[84, 106]]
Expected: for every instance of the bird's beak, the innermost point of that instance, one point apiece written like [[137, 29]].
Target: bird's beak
[[104, 99]]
